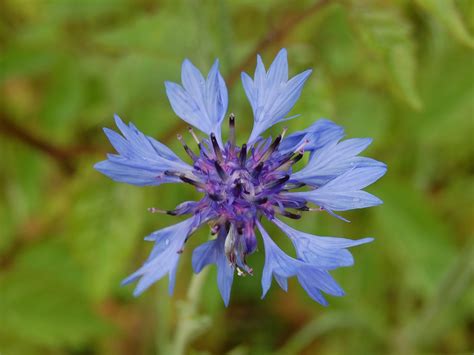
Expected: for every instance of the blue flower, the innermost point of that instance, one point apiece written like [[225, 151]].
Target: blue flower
[[241, 185]]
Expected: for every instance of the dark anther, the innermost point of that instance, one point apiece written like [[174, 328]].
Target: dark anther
[[286, 157], [297, 158], [277, 182], [232, 129], [187, 149], [237, 189], [273, 146], [191, 181], [275, 143], [220, 171], [257, 170], [217, 149], [185, 179], [243, 155], [290, 215], [261, 201], [215, 197]]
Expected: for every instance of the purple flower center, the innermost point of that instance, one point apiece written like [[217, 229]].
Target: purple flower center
[[240, 185]]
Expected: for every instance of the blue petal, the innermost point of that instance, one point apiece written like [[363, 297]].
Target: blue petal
[[164, 256], [271, 94], [141, 160], [200, 102], [314, 280], [277, 263], [318, 135], [324, 252], [212, 252], [344, 192], [335, 159]]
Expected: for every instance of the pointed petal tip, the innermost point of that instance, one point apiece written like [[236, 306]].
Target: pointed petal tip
[[170, 85], [118, 121], [186, 63], [98, 166], [367, 240], [138, 291], [226, 299], [128, 280], [305, 74]]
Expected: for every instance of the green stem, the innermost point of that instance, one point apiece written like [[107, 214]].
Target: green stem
[[189, 323]]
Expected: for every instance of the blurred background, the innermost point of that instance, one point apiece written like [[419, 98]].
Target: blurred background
[[398, 71]]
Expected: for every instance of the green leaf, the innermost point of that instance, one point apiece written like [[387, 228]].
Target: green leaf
[[43, 302], [419, 239], [20, 61], [387, 34], [446, 12], [149, 34], [103, 226], [63, 100]]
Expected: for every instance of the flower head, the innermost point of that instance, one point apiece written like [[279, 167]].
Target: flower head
[[241, 185]]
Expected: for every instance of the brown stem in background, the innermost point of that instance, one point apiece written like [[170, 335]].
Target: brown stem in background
[[63, 156], [13, 130]]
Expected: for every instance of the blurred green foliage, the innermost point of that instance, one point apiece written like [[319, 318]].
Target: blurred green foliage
[[399, 71]]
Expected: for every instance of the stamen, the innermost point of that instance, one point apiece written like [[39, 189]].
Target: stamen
[[319, 209], [215, 229], [215, 197], [290, 215], [238, 188], [278, 182], [186, 179], [186, 148], [294, 185], [232, 129], [297, 157], [220, 171], [158, 210], [289, 160], [301, 146], [243, 155], [261, 200], [286, 157], [257, 170], [217, 149], [192, 182], [240, 229], [191, 131], [274, 145]]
